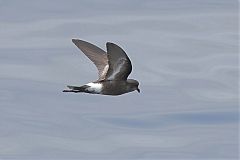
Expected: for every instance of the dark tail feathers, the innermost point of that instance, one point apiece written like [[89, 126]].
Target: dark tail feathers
[[76, 89]]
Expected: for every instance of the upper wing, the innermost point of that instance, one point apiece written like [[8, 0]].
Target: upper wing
[[119, 64], [95, 54]]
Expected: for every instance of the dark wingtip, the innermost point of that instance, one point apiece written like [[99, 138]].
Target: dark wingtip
[[110, 43], [74, 40]]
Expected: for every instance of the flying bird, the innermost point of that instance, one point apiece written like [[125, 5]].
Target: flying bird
[[113, 66]]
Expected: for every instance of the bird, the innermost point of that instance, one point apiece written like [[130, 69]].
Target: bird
[[114, 67]]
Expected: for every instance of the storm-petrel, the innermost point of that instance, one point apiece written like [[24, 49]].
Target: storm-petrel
[[113, 66]]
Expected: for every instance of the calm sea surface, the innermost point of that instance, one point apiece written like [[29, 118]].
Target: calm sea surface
[[184, 54]]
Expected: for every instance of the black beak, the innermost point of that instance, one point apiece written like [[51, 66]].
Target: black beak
[[138, 90]]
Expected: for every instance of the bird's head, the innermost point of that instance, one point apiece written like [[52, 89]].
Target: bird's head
[[133, 85]]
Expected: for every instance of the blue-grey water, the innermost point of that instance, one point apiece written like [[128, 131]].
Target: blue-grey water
[[184, 53]]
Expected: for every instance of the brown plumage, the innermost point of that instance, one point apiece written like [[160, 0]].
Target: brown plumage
[[113, 66]]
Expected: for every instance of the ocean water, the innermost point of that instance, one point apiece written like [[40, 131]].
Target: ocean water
[[184, 54]]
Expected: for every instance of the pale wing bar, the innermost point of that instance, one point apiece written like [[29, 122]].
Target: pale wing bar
[[119, 64], [95, 54]]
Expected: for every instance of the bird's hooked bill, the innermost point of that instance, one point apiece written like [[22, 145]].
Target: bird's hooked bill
[[138, 90]]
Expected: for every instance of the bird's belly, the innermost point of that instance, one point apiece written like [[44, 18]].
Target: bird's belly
[[113, 88]]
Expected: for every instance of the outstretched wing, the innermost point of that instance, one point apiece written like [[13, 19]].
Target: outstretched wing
[[119, 64], [95, 54]]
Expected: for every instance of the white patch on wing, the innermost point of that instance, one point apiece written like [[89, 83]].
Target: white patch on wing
[[105, 69], [104, 72], [117, 69], [95, 87]]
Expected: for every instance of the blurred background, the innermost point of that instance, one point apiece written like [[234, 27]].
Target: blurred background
[[184, 54]]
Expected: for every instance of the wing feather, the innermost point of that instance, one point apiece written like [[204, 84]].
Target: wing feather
[[95, 54], [119, 64]]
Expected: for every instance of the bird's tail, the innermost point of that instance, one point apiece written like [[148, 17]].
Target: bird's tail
[[76, 89]]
